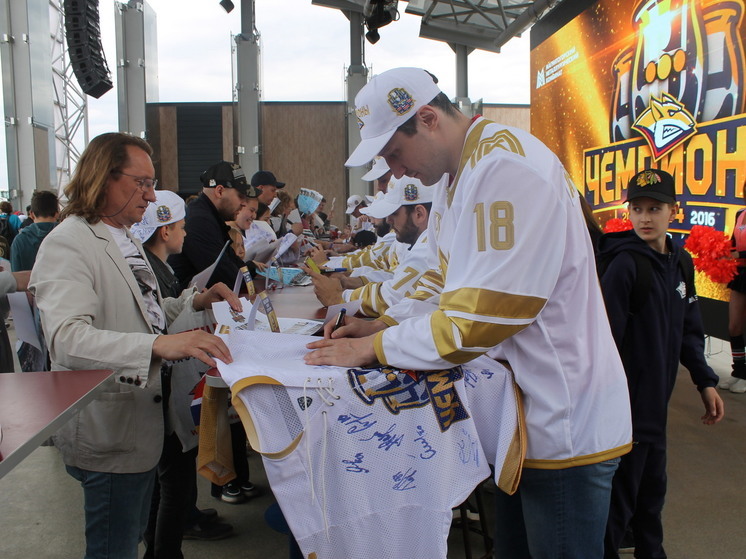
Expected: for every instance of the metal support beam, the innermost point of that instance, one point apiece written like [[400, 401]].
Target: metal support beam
[[248, 91], [462, 80], [26, 57], [137, 64], [357, 77]]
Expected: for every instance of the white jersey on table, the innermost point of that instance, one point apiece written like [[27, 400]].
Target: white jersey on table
[[371, 458]]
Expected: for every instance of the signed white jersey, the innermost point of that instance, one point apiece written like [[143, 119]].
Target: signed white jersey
[[519, 283], [366, 462]]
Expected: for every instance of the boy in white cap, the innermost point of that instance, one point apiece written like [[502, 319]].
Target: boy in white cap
[[518, 283], [162, 231]]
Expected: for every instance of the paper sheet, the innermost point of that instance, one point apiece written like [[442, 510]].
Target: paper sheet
[[200, 280]]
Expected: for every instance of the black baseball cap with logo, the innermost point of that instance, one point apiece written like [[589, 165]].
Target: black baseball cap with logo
[[262, 178], [229, 175], [652, 183]]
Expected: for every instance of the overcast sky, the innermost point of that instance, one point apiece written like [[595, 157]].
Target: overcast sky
[[304, 53]]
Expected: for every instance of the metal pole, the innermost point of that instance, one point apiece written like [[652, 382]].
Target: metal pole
[[357, 77], [248, 91]]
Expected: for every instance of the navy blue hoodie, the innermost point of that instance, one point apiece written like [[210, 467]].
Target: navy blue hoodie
[[665, 331]]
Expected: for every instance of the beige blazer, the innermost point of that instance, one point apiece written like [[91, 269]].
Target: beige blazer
[[94, 317]]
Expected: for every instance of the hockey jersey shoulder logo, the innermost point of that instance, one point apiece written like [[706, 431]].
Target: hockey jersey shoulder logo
[[502, 139], [400, 390], [665, 124]]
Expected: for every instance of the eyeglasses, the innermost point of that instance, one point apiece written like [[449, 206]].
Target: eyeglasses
[[143, 183]]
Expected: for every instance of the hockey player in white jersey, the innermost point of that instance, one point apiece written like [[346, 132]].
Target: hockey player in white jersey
[[407, 208], [518, 283]]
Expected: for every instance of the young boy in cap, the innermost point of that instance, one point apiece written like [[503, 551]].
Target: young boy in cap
[[173, 511], [653, 331]]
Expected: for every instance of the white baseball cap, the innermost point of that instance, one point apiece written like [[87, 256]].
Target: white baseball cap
[[385, 103], [380, 168], [353, 202], [168, 208], [406, 191]]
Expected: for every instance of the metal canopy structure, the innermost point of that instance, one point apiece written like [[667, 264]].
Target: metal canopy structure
[[476, 24], [480, 24]]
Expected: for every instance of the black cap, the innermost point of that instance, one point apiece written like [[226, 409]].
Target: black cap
[[229, 175], [261, 178], [652, 183]]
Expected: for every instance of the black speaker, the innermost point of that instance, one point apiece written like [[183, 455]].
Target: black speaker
[[83, 36]]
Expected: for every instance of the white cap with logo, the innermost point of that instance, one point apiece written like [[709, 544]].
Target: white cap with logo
[[389, 100], [380, 168], [168, 208], [406, 191], [353, 202]]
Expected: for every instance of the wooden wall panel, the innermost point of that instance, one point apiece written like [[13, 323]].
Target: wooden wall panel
[[229, 149], [304, 144], [510, 115], [169, 156]]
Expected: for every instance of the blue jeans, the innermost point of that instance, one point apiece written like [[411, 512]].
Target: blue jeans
[[117, 507], [555, 514]]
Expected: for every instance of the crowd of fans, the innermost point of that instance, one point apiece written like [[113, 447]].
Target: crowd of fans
[[445, 254]]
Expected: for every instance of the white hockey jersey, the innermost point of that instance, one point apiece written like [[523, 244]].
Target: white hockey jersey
[[519, 283], [376, 297], [368, 462]]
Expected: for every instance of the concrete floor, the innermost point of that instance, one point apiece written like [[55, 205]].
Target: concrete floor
[[42, 506]]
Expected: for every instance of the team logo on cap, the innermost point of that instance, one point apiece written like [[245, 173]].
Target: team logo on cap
[[410, 193], [646, 178], [401, 101], [163, 214]]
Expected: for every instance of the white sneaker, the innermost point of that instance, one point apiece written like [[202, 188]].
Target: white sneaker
[[738, 387], [726, 382]]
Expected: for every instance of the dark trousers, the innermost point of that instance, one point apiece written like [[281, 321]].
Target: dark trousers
[[173, 498], [637, 496]]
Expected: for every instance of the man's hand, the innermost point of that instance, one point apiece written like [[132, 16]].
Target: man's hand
[[196, 343], [353, 328], [296, 229], [318, 255], [218, 292], [714, 407], [327, 290], [22, 279], [345, 352], [349, 282], [261, 266]]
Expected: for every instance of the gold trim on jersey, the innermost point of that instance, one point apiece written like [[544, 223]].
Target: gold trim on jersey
[[248, 422], [434, 278], [443, 259], [387, 320], [502, 139], [510, 474], [584, 460], [485, 302], [421, 295], [471, 334], [471, 143], [373, 304], [378, 348]]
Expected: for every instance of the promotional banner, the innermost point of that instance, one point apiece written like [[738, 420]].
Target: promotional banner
[[628, 85]]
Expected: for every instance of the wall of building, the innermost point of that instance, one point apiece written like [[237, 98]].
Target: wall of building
[[302, 143]]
